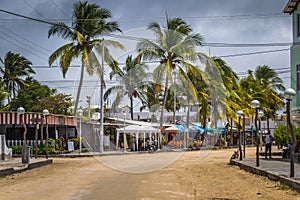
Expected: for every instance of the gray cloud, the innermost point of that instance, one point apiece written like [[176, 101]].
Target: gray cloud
[[134, 14]]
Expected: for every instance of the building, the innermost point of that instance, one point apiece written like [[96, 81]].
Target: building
[[293, 8], [11, 125]]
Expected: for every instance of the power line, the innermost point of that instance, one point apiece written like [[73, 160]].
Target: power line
[[10, 42], [26, 17], [23, 43], [252, 53], [59, 8], [34, 9], [10, 31]]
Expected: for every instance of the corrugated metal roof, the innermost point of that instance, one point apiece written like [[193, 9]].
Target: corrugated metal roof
[[291, 6]]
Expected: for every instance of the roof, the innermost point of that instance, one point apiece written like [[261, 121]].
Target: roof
[[291, 6], [137, 129]]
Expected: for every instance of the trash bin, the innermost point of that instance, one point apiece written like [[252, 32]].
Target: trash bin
[[25, 158]]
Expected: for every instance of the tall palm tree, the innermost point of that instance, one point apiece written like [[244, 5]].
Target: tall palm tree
[[264, 85], [132, 82], [16, 69], [272, 84], [230, 81], [173, 47], [89, 21]]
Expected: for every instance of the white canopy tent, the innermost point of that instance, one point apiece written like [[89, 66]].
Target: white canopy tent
[[135, 129]]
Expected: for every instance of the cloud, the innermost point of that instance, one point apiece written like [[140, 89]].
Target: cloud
[[136, 14]]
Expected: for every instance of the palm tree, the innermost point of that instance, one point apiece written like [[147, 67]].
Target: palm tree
[[3, 94], [173, 47], [16, 69], [89, 21], [152, 98], [271, 84], [264, 85], [132, 82], [230, 81]]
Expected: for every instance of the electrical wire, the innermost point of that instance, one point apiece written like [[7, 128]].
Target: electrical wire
[[59, 8], [34, 9]]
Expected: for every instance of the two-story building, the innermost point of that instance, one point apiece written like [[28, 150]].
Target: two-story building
[[293, 8]]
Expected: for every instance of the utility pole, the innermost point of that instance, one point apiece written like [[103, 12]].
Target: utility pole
[[101, 99], [89, 106]]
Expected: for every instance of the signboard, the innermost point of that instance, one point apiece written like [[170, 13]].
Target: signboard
[[70, 146]]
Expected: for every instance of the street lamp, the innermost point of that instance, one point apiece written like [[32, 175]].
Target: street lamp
[[289, 94], [240, 113], [260, 114], [80, 112], [46, 113], [25, 157], [256, 104], [124, 135]]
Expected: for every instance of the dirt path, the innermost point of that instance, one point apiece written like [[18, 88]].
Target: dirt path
[[190, 175]]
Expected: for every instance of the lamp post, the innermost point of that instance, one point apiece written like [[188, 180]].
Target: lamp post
[[25, 157], [289, 95], [256, 104], [240, 113], [260, 114], [80, 112], [124, 134], [46, 113]]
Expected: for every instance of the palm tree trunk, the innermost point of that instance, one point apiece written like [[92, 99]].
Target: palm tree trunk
[[131, 107], [188, 111], [79, 89], [164, 103]]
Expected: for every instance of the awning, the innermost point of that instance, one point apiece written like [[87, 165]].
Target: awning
[[172, 129]]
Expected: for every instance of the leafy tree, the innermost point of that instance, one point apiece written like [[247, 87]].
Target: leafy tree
[[89, 21], [29, 97], [16, 69], [56, 104], [280, 135]]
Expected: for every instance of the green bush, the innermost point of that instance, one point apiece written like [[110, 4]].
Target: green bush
[[280, 135], [76, 142], [16, 149]]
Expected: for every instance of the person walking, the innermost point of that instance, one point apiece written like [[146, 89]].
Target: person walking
[[268, 141]]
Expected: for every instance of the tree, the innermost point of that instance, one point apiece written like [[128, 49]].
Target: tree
[[57, 103], [132, 82], [16, 69], [173, 47], [263, 85], [272, 84], [3, 94], [89, 21], [30, 96]]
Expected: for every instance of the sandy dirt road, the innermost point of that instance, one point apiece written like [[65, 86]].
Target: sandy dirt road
[[188, 175]]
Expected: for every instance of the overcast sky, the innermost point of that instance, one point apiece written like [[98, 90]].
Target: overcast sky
[[218, 21]]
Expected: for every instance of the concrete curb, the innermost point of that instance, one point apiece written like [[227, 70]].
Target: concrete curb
[[295, 184], [10, 171]]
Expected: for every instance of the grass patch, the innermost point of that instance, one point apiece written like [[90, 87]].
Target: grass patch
[[284, 186]]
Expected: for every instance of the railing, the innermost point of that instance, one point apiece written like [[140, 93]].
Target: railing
[[20, 142]]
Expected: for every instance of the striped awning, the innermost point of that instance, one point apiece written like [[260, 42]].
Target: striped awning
[[10, 118]]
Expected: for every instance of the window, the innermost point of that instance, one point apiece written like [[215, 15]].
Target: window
[[298, 78], [298, 25]]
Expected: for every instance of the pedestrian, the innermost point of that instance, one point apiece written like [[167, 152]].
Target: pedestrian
[[268, 141]]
